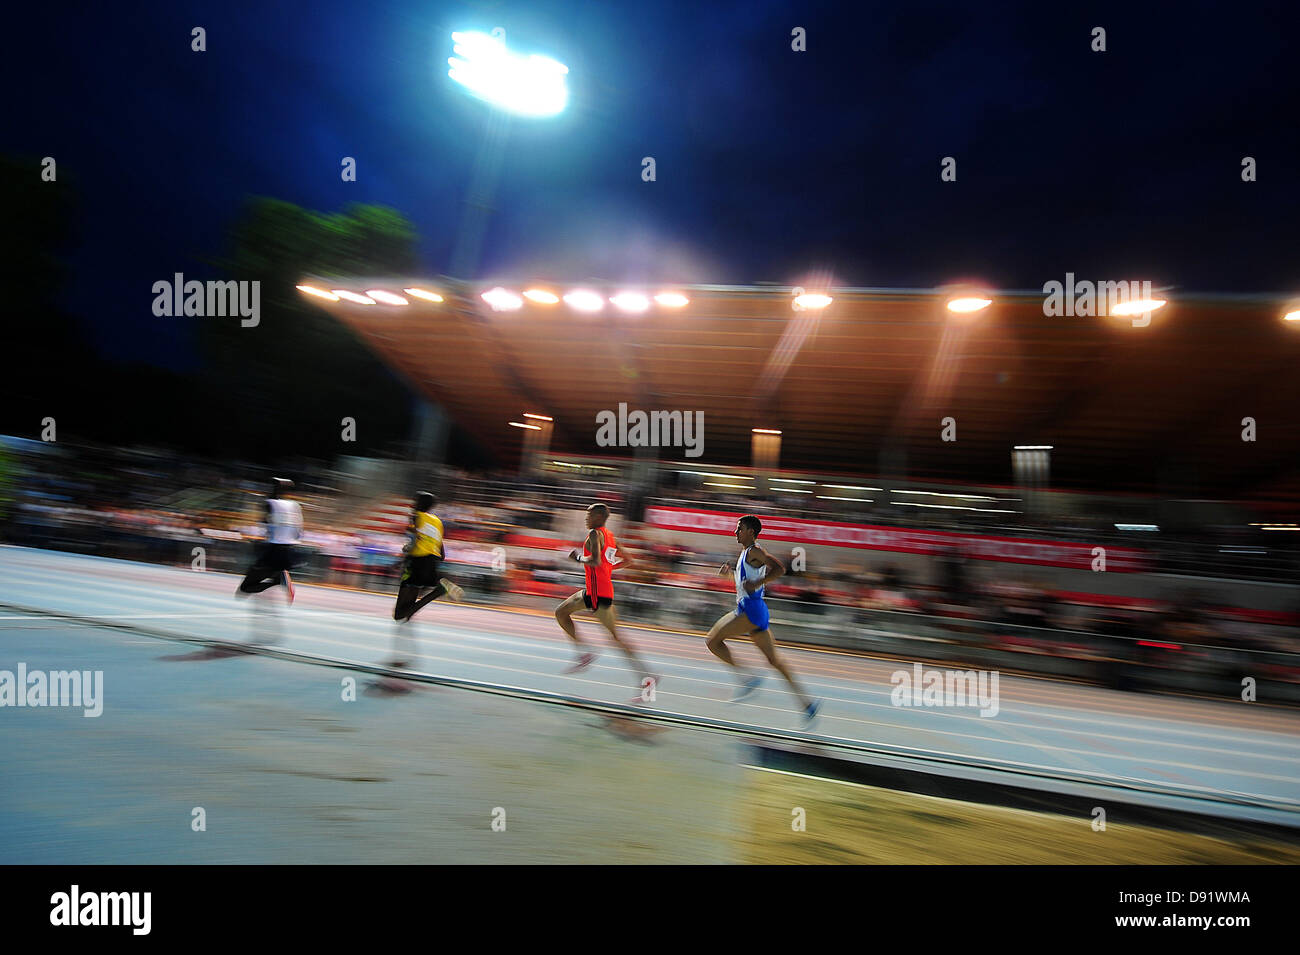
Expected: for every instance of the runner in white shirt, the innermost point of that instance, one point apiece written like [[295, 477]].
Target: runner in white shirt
[[277, 554]]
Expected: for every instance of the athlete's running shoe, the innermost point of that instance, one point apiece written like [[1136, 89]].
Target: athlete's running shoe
[[746, 688], [584, 660], [810, 711], [454, 591], [288, 585]]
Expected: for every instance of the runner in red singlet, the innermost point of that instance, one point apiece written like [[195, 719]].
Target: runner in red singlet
[[599, 557]]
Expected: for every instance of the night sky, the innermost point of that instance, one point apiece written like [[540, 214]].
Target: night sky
[[770, 163]]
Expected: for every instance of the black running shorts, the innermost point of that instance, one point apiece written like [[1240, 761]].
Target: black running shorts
[[421, 571]]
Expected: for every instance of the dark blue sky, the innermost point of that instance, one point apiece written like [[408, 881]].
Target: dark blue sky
[[771, 163]]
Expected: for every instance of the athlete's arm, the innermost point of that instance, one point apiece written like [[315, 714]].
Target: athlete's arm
[[773, 569], [593, 548]]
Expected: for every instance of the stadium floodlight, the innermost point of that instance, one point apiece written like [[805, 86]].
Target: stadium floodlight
[[672, 299], [502, 300], [530, 427], [388, 298], [584, 300], [631, 301], [1138, 306], [1292, 316], [812, 300], [968, 304], [423, 293], [318, 292], [541, 296], [530, 85], [353, 297]]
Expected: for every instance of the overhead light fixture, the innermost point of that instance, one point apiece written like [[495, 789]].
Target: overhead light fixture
[[423, 294], [353, 297], [672, 299], [631, 301], [541, 296], [764, 431], [537, 417], [584, 300], [501, 300], [388, 298], [812, 300], [530, 427], [968, 304], [528, 85], [1137, 307], [318, 292]]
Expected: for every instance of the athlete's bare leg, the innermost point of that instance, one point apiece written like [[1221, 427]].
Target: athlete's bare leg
[[609, 620], [564, 616], [763, 640], [732, 625]]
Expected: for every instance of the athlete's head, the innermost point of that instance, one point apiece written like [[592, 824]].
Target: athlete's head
[[747, 529], [424, 500], [280, 487], [597, 515]]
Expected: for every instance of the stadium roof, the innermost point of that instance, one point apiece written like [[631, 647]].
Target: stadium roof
[[868, 380]]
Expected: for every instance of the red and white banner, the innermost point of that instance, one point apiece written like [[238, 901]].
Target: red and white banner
[[1015, 550]]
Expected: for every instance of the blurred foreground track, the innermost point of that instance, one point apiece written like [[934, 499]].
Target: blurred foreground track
[[1225, 758]]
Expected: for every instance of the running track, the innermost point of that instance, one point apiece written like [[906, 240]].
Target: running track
[[1220, 749]]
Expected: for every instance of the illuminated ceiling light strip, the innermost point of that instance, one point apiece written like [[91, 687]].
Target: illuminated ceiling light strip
[[834, 497], [850, 487], [318, 292], [764, 431], [739, 487], [423, 293], [1032, 447], [530, 427], [793, 481], [962, 497], [954, 507], [537, 417], [541, 296], [353, 297], [388, 298]]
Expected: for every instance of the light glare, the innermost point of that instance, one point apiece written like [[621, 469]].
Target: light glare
[[353, 297], [584, 301], [501, 300]]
